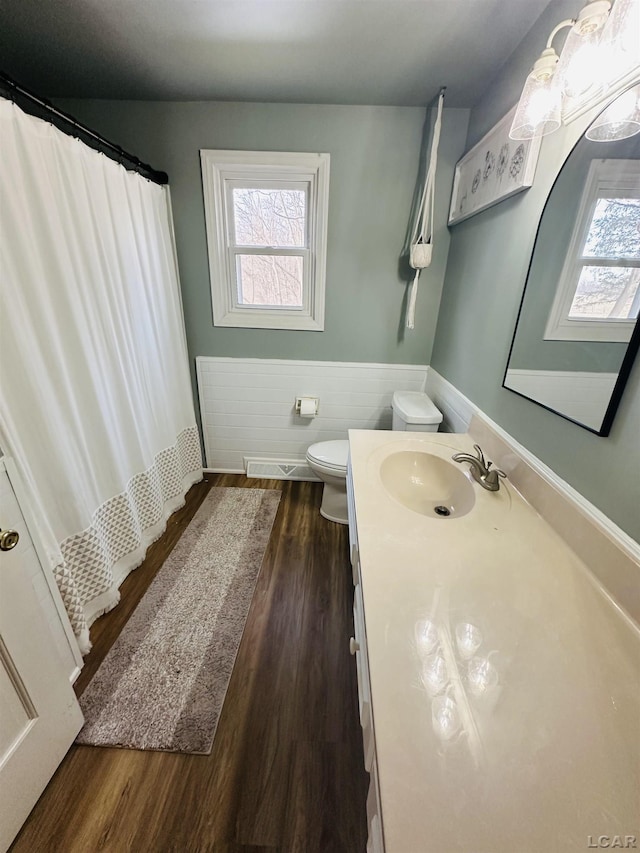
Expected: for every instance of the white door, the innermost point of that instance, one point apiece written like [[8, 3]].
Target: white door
[[39, 713]]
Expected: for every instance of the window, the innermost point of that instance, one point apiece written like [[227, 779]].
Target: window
[[598, 294], [266, 217]]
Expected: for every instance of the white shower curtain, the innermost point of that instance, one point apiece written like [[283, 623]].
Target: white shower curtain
[[95, 395]]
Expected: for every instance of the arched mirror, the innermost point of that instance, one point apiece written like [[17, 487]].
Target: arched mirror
[[577, 331]]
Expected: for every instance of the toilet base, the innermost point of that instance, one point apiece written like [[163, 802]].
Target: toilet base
[[334, 503]]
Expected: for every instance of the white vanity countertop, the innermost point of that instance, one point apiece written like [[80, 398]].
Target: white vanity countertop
[[547, 759]]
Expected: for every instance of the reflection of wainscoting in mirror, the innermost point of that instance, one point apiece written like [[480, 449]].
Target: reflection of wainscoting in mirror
[[577, 330]]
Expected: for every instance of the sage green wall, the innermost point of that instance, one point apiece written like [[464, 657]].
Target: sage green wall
[[487, 267], [375, 155]]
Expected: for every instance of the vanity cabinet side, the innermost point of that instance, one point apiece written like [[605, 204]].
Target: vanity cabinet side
[[353, 527], [358, 648]]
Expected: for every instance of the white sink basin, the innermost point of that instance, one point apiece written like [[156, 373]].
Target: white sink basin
[[427, 484]]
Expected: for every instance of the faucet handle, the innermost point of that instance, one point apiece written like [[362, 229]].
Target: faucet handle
[[480, 454]]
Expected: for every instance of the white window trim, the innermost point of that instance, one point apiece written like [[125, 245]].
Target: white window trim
[[615, 176], [220, 166]]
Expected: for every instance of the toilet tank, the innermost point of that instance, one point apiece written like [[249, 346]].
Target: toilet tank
[[414, 411]]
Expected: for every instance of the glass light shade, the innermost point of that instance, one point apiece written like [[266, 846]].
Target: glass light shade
[[538, 111], [620, 120], [620, 41], [582, 66]]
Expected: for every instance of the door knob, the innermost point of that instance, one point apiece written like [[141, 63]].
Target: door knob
[[354, 645], [8, 539]]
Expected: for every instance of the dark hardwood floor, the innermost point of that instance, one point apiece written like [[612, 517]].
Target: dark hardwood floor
[[286, 772]]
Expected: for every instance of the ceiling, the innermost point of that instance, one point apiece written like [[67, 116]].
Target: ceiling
[[396, 52]]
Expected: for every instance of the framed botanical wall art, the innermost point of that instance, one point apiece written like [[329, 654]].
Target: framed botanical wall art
[[494, 169]]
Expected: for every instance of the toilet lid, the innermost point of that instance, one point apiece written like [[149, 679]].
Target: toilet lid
[[331, 454]]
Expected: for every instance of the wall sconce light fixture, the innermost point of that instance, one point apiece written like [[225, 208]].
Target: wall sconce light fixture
[[601, 48]]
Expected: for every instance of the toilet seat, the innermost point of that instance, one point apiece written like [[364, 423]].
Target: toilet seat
[[331, 455]]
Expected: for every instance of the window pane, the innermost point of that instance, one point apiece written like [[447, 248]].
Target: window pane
[[615, 229], [265, 217], [606, 293], [270, 280]]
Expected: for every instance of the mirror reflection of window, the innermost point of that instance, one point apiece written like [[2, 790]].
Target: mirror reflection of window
[[608, 283], [598, 297]]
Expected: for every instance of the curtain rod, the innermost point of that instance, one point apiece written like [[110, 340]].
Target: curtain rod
[[42, 108]]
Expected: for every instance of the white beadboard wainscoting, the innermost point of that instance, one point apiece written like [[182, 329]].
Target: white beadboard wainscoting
[[247, 404], [580, 395]]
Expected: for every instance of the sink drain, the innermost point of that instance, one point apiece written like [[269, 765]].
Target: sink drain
[[443, 511]]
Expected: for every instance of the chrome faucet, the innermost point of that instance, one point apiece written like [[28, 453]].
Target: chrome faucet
[[481, 471]]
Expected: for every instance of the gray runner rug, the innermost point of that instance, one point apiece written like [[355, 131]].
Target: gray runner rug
[[163, 682]]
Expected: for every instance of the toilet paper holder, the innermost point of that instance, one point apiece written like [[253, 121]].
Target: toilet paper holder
[[307, 407]]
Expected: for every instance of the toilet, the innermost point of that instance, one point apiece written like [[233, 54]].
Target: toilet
[[412, 411]]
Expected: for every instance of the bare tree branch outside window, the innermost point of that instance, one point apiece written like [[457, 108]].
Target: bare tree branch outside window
[[273, 219], [610, 290]]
